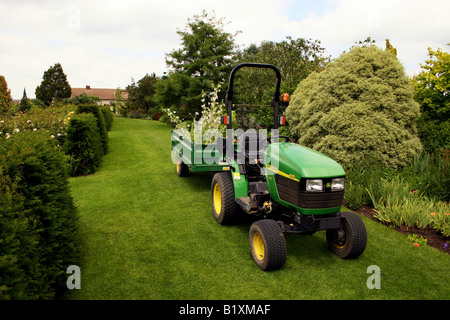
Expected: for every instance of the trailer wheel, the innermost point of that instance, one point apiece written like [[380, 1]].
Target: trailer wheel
[[224, 207], [350, 241], [267, 244], [182, 168]]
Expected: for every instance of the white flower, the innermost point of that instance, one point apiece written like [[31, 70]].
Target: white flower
[[52, 136], [7, 135], [16, 130], [34, 129]]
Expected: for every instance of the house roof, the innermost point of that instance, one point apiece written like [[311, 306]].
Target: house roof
[[103, 94]]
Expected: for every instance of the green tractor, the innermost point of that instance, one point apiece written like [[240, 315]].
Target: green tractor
[[287, 188]]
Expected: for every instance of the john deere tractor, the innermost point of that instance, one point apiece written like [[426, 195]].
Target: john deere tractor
[[286, 188]]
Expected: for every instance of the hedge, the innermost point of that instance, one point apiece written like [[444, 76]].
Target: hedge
[[101, 124], [84, 144], [107, 115], [39, 237]]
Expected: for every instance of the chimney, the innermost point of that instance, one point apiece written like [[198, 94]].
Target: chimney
[[88, 87]]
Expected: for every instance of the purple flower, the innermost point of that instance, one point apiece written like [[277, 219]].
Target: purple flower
[[445, 245]]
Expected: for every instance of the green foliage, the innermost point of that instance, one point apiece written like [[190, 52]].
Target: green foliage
[[37, 218], [140, 95], [416, 196], [430, 173], [204, 59], [396, 204], [5, 96], [359, 107], [432, 92], [54, 85], [83, 144], [107, 116], [95, 110], [52, 120], [83, 98], [254, 88]]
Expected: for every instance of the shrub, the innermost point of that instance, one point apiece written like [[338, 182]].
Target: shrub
[[83, 144], [359, 107], [95, 110], [107, 115], [37, 218]]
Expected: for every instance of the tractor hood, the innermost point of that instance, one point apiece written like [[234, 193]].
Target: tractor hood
[[295, 162]]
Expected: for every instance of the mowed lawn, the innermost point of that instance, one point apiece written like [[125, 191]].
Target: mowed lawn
[[149, 234]]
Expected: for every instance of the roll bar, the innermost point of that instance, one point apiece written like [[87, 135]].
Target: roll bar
[[276, 95]]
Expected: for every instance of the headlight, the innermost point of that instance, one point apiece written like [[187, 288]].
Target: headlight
[[314, 185], [337, 184]]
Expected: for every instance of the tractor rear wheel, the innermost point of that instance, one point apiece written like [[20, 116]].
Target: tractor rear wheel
[[224, 207], [351, 240], [267, 244]]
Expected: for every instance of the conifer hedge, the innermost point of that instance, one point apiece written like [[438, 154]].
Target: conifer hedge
[[39, 238], [84, 144]]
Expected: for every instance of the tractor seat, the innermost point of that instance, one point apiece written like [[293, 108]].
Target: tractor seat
[[252, 144]]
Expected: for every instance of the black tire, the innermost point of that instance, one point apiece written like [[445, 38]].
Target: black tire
[[182, 168], [267, 244], [351, 240], [224, 207]]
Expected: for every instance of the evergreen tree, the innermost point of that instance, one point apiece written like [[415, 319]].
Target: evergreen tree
[[360, 107], [24, 104], [54, 85]]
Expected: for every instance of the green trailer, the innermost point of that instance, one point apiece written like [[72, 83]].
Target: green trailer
[[286, 188]]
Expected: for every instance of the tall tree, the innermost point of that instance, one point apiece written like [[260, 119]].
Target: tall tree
[[254, 88], [432, 92], [5, 96], [204, 60], [24, 104], [54, 85]]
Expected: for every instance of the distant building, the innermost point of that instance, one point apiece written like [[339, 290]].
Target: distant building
[[106, 95]]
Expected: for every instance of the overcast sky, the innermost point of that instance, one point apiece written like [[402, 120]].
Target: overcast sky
[[105, 43]]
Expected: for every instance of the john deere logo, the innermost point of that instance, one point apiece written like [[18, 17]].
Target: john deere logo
[[328, 185]]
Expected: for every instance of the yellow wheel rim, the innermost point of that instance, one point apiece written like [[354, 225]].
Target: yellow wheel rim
[[217, 199], [258, 246]]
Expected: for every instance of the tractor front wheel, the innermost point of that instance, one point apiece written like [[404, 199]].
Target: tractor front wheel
[[349, 241], [267, 244]]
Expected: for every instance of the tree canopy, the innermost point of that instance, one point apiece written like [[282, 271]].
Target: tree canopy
[[254, 88], [54, 85], [360, 107], [203, 60], [432, 92]]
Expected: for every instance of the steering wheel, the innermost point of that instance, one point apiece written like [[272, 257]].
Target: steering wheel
[[286, 139]]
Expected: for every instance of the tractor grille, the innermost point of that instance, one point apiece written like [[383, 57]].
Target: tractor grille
[[290, 191]]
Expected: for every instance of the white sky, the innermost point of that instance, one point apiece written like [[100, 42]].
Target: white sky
[[104, 43]]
